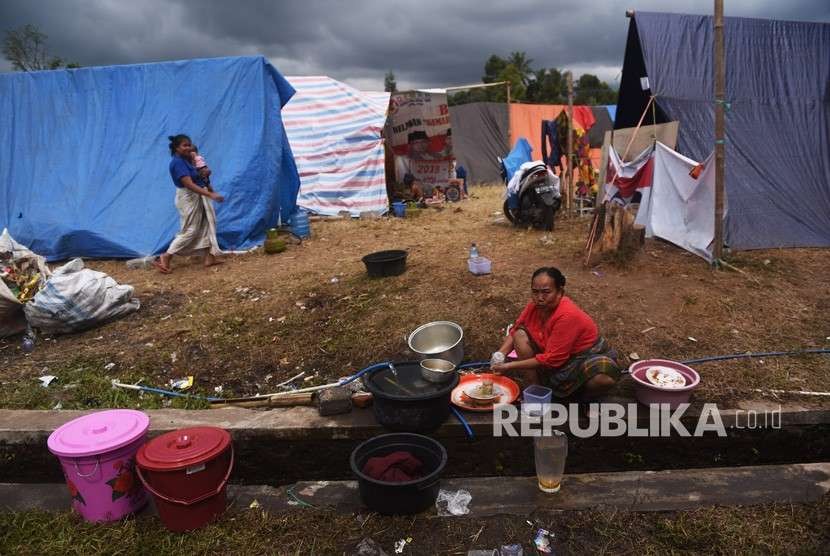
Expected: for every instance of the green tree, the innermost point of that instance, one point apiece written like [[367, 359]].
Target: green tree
[[470, 95], [521, 62], [548, 86], [514, 76], [389, 83], [542, 86], [590, 90], [492, 68], [25, 48]]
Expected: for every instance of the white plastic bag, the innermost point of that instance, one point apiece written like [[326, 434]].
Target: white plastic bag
[[76, 298], [453, 502], [12, 319]]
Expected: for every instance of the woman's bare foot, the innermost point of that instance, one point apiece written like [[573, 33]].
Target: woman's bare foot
[[163, 263], [211, 260]]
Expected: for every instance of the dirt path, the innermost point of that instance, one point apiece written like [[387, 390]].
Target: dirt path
[[258, 319]]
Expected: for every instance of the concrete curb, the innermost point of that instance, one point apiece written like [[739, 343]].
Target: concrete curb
[[638, 491], [304, 423]]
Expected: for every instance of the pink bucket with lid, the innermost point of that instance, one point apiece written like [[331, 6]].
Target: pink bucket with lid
[[97, 452]]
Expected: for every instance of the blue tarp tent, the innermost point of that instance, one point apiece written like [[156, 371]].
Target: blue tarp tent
[[522, 152], [777, 121], [84, 157]]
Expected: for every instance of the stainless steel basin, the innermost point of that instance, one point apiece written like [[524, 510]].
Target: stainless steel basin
[[438, 340]]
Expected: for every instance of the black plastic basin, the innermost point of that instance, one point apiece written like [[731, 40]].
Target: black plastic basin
[[406, 498], [385, 263], [405, 401]]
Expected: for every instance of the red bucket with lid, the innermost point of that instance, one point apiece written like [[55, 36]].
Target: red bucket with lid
[[187, 471]]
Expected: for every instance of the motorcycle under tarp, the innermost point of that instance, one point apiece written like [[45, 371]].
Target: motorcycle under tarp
[[533, 196]]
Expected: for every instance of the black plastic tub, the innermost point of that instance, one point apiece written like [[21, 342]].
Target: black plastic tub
[[405, 401], [385, 263], [406, 498]]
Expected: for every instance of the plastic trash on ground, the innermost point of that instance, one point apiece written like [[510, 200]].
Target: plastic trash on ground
[[401, 544], [479, 265], [452, 502], [141, 263], [542, 541], [22, 275], [182, 383], [368, 547]]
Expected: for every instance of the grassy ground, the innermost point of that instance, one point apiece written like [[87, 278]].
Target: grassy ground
[[259, 319], [771, 529]]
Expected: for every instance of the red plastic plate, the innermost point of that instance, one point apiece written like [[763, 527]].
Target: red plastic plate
[[509, 391]]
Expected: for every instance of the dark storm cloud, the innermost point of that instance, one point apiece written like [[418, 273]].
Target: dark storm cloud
[[426, 43]]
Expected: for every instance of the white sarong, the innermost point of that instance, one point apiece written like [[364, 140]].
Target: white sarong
[[198, 225]]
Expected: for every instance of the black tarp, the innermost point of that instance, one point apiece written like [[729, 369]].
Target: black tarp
[[632, 99], [479, 137]]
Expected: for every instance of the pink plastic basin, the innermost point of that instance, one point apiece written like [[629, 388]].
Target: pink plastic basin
[[648, 393]]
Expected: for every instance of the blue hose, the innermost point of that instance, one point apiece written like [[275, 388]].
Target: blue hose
[[362, 372], [464, 422], [703, 359], [748, 355], [173, 394], [474, 364]]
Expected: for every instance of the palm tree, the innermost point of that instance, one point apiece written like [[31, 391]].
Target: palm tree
[[522, 63]]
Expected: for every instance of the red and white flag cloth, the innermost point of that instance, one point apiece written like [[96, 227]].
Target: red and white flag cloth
[[627, 177]]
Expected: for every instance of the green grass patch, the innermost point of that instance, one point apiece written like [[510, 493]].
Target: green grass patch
[[86, 384], [769, 529]]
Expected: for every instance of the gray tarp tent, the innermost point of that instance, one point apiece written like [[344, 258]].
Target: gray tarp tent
[[777, 120], [480, 133], [479, 137]]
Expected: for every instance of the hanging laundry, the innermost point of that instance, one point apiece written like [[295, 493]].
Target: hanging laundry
[[623, 179]]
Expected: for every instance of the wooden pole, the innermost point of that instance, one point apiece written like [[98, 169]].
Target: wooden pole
[[720, 146], [569, 166], [636, 129], [509, 135]]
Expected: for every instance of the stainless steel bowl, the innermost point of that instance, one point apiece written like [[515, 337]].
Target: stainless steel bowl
[[437, 370], [438, 340]]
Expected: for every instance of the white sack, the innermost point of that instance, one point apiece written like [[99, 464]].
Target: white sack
[[76, 298]]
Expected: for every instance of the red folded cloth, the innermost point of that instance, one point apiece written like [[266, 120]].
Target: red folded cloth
[[397, 467]]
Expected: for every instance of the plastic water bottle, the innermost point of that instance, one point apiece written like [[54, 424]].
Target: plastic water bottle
[[300, 224], [473, 251], [143, 262]]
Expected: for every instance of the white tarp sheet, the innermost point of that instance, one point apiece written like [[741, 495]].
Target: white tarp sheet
[[678, 207]]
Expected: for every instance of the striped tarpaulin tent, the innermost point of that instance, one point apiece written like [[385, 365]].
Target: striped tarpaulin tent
[[335, 134]]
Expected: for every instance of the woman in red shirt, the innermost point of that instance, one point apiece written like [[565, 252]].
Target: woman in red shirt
[[557, 343]]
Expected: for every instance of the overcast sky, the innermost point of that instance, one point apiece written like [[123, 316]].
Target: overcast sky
[[427, 43]]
